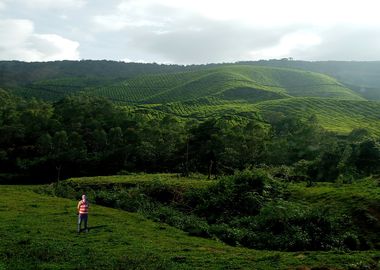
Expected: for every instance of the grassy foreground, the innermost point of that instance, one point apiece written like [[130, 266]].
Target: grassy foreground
[[39, 232]]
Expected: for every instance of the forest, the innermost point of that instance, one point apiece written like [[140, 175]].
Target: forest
[[83, 135]]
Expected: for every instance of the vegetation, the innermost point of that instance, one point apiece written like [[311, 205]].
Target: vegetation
[[341, 116], [257, 157], [250, 208], [231, 82], [85, 135], [118, 239], [362, 77]]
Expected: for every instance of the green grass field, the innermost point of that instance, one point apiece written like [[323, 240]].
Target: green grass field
[[39, 232]]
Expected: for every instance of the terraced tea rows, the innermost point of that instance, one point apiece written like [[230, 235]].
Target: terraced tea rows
[[336, 115], [245, 83]]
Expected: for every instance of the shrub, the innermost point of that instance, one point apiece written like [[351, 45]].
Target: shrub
[[285, 225], [243, 193]]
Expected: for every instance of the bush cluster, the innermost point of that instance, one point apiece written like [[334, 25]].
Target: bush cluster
[[248, 208]]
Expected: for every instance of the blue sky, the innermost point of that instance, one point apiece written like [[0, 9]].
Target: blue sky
[[189, 32]]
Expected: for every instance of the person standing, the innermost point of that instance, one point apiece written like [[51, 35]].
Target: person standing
[[82, 213]]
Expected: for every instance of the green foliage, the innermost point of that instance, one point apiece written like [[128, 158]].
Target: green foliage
[[248, 208], [288, 226], [340, 116], [241, 194], [119, 240], [87, 135], [243, 83], [361, 77]]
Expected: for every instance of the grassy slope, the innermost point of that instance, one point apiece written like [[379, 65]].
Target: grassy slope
[[183, 86], [339, 197], [362, 77], [38, 232], [335, 115], [210, 107], [340, 116], [247, 83], [297, 83], [361, 199]]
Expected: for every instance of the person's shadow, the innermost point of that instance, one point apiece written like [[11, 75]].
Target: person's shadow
[[96, 228]]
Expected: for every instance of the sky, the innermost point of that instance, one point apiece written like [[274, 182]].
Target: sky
[[189, 32]]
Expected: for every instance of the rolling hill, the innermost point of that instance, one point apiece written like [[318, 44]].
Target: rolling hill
[[244, 83], [235, 91], [362, 77], [233, 82]]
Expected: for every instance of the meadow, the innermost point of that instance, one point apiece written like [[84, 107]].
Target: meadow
[[39, 232]]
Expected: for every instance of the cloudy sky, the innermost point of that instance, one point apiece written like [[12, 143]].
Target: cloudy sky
[[189, 32]]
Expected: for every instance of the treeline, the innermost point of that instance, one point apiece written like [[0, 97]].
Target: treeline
[[84, 135]]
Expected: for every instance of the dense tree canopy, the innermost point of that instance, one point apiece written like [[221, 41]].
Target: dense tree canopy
[[87, 135]]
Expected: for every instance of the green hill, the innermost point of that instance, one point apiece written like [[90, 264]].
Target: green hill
[[233, 91], [362, 77], [336, 115], [230, 82], [244, 83]]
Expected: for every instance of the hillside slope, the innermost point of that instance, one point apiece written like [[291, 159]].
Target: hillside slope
[[341, 116], [335, 115], [230, 82], [244, 83], [38, 232], [362, 77], [239, 92]]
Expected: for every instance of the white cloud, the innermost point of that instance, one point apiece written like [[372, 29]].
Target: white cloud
[[117, 23], [299, 41], [275, 12], [201, 31], [56, 47], [21, 42], [52, 4], [196, 31], [131, 14]]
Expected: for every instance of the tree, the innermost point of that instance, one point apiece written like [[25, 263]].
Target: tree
[[206, 146], [60, 147]]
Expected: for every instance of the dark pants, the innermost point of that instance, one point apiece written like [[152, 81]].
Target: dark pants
[[82, 217]]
